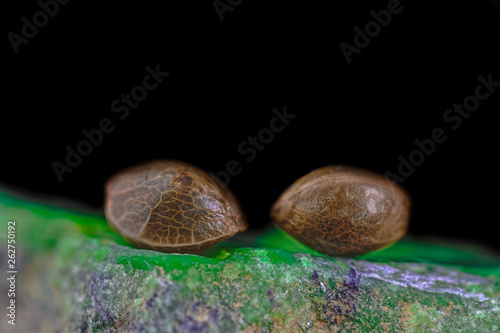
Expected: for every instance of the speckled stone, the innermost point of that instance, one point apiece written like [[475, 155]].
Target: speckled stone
[[77, 275]]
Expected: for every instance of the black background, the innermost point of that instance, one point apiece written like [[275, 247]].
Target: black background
[[227, 76]]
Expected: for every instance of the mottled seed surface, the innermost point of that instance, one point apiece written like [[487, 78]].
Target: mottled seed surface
[[343, 210], [171, 206]]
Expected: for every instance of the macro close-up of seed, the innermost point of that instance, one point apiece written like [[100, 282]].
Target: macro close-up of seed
[[231, 166], [171, 206], [343, 211]]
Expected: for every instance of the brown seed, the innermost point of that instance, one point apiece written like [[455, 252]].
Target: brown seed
[[171, 206], [343, 211]]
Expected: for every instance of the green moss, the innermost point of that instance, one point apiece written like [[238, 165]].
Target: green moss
[[422, 319], [267, 281]]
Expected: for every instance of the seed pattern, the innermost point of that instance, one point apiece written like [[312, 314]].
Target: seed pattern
[[171, 206], [343, 211]]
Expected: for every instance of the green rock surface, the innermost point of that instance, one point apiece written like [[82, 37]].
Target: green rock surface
[[77, 275]]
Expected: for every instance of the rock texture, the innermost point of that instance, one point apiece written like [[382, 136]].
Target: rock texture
[[79, 276]]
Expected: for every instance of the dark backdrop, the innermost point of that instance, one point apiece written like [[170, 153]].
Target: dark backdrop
[[226, 77]]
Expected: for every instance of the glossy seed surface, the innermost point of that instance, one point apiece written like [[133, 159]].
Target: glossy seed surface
[[343, 210], [171, 206]]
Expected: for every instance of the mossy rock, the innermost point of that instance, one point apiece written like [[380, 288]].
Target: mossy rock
[[77, 275]]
